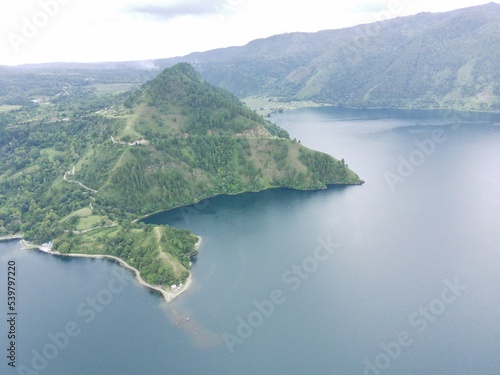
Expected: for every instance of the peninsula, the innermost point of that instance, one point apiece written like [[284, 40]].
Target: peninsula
[[82, 179]]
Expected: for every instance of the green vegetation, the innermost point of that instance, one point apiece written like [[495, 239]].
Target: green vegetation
[[427, 61], [58, 84], [161, 253], [177, 139], [113, 88], [80, 170], [8, 108], [267, 106]]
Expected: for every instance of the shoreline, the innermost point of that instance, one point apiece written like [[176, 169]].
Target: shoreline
[[11, 237], [303, 104], [30, 246], [168, 295], [147, 216], [197, 245]]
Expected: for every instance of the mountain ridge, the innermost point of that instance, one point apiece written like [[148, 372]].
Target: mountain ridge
[[82, 181], [430, 60], [441, 60], [190, 132]]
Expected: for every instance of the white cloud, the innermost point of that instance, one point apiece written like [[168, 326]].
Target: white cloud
[[168, 11], [78, 30]]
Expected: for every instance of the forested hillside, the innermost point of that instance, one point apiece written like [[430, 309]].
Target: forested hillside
[[79, 172], [198, 141], [443, 60]]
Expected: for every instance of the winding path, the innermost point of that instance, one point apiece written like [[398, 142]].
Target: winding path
[[77, 182]]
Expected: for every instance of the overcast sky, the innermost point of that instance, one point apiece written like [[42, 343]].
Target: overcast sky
[[34, 31]]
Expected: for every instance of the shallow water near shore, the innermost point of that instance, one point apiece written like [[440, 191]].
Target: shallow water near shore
[[304, 282]]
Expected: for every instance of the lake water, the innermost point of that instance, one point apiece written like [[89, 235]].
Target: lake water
[[398, 276]]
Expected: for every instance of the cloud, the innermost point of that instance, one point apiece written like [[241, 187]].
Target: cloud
[[367, 6], [183, 8]]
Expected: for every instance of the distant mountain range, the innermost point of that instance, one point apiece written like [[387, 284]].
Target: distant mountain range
[[430, 60], [443, 60]]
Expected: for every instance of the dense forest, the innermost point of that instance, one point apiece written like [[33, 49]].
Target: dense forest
[[431, 60], [79, 168], [427, 61]]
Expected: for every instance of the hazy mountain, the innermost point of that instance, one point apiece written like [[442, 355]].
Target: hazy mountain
[[443, 60], [430, 60]]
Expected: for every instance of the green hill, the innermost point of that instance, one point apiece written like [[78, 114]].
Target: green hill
[[197, 141], [174, 141]]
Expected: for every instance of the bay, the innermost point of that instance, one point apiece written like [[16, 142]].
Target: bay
[[399, 275]]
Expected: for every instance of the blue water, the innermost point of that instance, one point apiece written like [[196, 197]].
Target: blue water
[[292, 282]]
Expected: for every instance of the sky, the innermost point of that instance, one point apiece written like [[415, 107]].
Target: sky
[[35, 31]]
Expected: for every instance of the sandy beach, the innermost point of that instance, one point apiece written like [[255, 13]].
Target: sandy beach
[[168, 294], [198, 244], [10, 238], [29, 246]]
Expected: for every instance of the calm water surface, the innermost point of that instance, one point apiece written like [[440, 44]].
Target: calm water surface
[[398, 276]]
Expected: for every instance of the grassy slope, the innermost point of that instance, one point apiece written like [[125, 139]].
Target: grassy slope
[[444, 60], [201, 142], [160, 253]]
